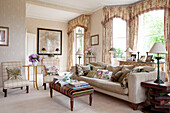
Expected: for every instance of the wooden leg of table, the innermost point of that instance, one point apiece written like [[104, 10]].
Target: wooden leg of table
[[36, 77], [71, 103], [90, 98], [33, 76], [28, 73], [51, 92]]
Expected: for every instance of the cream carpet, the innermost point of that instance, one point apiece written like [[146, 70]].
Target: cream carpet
[[40, 102]]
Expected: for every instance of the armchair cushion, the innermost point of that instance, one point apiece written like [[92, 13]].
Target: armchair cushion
[[15, 83], [14, 73]]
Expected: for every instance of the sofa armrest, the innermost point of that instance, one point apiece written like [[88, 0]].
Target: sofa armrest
[[136, 91]]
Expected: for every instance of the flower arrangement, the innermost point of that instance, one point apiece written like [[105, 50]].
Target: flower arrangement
[[34, 58], [89, 50]]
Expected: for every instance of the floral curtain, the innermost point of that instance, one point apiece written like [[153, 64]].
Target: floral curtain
[[167, 38], [70, 50], [82, 21], [133, 33], [147, 5], [107, 41], [130, 14]]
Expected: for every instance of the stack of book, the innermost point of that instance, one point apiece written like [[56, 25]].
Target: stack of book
[[160, 101], [77, 84]]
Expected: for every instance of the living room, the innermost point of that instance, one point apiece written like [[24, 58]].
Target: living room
[[131, 32]]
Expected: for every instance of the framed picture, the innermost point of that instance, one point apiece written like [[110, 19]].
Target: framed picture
[[149, 58], [142, 58], [133, 57], [4, 36], [95, 40], [49, 39]]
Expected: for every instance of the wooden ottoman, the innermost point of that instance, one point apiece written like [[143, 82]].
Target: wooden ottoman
[[71, 93]]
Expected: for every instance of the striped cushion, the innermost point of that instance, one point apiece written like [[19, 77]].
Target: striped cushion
[[71, 92]]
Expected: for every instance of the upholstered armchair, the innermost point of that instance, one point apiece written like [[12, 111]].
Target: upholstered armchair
[[50, 71], [12, 76]]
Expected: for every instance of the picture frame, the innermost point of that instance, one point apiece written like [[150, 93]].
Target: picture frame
[[133, 56], [149, 58], [95, 40], [4, 36], [49, 39], [142, 58]]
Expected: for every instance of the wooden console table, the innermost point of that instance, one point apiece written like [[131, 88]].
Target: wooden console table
[[34, 74], [153, 64], [159, 98]]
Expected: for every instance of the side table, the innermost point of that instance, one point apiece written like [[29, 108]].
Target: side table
[[34, 74], [159, 97]]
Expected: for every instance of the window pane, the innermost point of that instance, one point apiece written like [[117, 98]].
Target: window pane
[[119, 39], [151, 30]]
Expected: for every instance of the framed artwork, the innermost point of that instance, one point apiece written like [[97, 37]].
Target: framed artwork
[[4, 36], [49, 39], [95, 40], [149, 58], [133, 57], [142, 58]]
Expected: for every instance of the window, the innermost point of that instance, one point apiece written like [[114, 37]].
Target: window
[[78, 44], [151, 30], [119, 39]]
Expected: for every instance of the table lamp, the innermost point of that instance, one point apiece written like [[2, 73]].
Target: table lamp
[[128, 50], [158, 48], [79, 52], [57, 49], [43, 50], [112, 50]]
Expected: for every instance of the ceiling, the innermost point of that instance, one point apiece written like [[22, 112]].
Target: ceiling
[[65, 10]]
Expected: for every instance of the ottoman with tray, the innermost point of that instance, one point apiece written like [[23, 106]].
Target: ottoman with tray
[[71, 93]]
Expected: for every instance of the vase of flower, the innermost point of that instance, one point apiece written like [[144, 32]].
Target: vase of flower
[[34, 58], [89, 51], [35, 63]]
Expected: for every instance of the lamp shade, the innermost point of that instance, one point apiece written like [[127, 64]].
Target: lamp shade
[[79, 52], [112, 50], [129, 50], [158, 48]]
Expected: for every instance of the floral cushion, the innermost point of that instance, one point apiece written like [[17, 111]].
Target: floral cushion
[[14, 73], [51, 69], [106, 75], [98, 75]]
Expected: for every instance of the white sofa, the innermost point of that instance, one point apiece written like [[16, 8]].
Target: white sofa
[[134, 94]]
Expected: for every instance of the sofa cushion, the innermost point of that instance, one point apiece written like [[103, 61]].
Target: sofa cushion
[[91, 74], [95, 68], [125, 73], [130, 67], [107, 75], [113, 69], [116, 76], [108, 85], [143, 69], [79, 70], [101, 64]]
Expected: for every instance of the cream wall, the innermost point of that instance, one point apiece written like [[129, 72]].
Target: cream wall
[[32, 25], [12, 15], [96, 28]]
